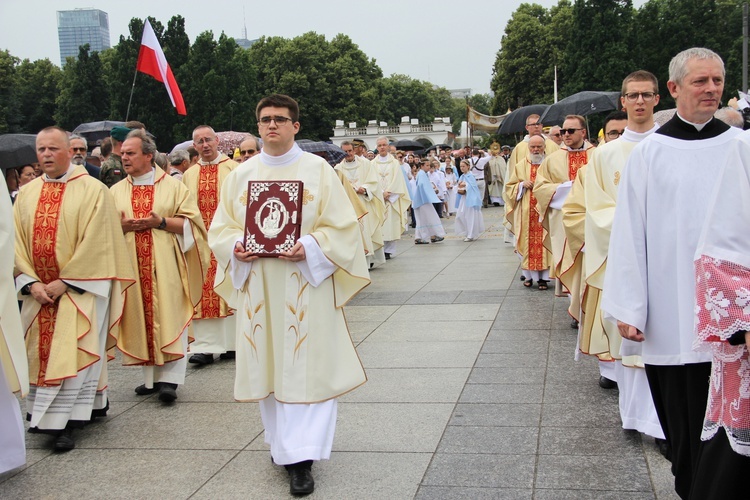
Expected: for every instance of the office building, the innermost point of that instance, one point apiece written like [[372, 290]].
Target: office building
[[79, 27]]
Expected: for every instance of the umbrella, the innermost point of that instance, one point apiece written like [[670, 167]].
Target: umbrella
[[96, 131], [330, 152], [408, 145], [663, 116], [17, 150], [583, 103], [438, 146], [516, 121]]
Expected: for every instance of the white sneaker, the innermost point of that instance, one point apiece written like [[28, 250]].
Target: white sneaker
[[468, 239]]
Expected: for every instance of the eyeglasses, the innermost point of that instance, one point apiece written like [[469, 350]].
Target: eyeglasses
[[79, 150], [569, 131], [535, 124], [205, 141], [247, 151], [614, 134], [556, 135], [279, 120], [633, 96]]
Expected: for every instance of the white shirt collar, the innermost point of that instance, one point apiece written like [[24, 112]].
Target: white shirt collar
[[281, 161]]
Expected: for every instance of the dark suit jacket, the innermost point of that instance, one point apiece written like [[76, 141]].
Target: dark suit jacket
[[93, 170]]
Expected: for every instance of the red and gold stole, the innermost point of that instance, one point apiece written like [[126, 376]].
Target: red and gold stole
[[142, 202], [208, 202], [44, 246], [576, 159], [536, 231]]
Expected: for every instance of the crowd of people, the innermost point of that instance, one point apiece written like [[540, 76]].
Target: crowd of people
[[641, 232]]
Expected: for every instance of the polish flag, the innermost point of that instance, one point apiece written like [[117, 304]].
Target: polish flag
[[151, 61]]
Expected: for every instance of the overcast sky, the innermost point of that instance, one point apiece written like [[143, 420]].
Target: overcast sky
[[452, 44]]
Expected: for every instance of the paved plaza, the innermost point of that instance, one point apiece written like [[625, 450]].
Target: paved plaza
[[473, 393]]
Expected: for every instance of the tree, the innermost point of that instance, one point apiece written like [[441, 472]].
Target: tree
[[531, 47], [83, 94], [9, 112], [37, 85], [601, 54]]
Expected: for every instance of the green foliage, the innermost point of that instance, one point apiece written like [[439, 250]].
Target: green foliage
[[37, 86], [82, 92], [9, 112]]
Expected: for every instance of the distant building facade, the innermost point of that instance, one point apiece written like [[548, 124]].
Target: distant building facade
[[79, 27]]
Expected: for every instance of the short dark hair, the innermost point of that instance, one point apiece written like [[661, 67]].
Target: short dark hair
[[581, 120], [279, 101], [640, 76], [614, 115], [106, 147], [192, 152], [135, 124]]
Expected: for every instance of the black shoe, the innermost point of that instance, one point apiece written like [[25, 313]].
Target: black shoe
[[496, 204], [64, 441], [228, 355], [301, 480], [101, 412], [522, 278], [664, 448], [142, 390], [167, 392], [201, 359], [437, 239], [606, 383], [387, 256], [574, 324]]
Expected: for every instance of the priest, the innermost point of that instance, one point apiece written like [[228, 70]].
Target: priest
[[395, 196], [74, 276], [294, 352], [162, 224], [213, 327]]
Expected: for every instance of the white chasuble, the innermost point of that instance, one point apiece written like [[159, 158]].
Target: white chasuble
[[292, 338]]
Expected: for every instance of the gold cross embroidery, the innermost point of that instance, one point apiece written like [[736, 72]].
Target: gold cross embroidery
[[243, 198], [617, 178]]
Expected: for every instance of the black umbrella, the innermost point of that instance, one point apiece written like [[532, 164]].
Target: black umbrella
[[408, 145], [583, 103], [438, 146], [330, 152], [95, 131], [516, 121], [17, 150]]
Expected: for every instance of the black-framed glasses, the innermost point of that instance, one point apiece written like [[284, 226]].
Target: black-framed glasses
[[633, 96], [569, 131], [79, 150], [614, 134], [535, 124], [556, 135], [279, 120], [247, 151]]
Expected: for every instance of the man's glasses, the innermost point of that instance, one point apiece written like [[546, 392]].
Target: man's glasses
[[205, 141], [247, 151], [535, 124], [280, 120], [79, 150], [569, 131], [556, 135], [633, 96], [614, 134]]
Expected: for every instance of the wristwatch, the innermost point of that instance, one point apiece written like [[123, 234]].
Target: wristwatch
[[162, 224]]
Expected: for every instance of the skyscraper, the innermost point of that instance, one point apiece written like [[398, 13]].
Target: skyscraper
[[79, 27]]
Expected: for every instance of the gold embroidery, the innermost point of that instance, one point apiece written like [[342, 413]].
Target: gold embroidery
[[243, 198], [251, 311], [306, 196], [299, 310], [617, 178]]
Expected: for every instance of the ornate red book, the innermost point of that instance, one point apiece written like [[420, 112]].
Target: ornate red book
[[274, 216]]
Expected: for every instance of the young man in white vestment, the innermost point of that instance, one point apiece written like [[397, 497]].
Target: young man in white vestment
[[649, 286], [599, 336], [14, 369], [294, 352]]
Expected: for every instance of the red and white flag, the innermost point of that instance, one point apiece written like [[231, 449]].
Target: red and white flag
[[151, 61]]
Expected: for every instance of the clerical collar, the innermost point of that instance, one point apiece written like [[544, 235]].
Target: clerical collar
[[146, 179], [698, 126], [678, 128], [281, 161], [62, 178], [384, 159], [632, 136], [212, 162], [586, 145]]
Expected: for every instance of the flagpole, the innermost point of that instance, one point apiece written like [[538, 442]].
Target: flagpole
[[132, 89]]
